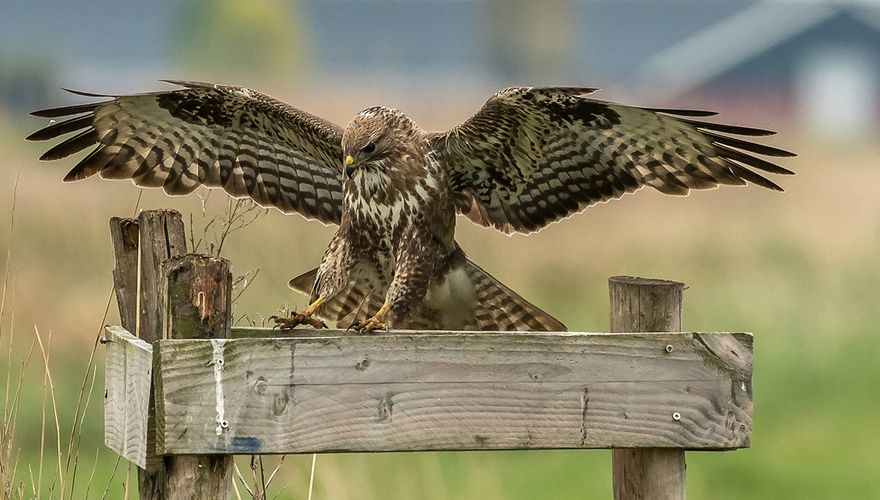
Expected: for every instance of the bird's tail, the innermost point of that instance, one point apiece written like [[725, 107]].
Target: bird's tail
[[466, 298], [355, 302], [501, 309]]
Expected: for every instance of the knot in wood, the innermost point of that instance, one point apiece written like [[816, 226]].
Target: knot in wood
[[386, 406], [280, 403], [261, 386], [362, 364]]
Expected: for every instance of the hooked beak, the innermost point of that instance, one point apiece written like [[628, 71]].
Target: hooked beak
[[349, 166]]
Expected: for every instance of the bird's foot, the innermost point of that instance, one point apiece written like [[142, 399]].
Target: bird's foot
[[304, 318], [377, 322], [369, 325], [295, 319]]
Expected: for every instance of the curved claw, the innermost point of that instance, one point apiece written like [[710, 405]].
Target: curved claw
[[370, 325]]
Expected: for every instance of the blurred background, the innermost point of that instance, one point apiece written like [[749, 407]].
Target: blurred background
[[798, 269]]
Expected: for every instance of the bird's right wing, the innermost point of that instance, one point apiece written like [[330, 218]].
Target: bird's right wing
[[247, 143], [533, 156]]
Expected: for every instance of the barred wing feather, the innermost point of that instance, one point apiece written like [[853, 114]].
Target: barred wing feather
[[245, 142], [532, 156]]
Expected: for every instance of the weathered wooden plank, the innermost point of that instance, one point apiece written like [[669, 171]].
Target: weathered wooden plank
[[639, 304], [451, 392], [454, 416], [475, 357], [128, 375]]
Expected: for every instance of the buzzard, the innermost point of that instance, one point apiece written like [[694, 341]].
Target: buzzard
[[531, 156]]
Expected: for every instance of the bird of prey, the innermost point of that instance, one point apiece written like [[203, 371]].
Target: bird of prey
[[531, 156]]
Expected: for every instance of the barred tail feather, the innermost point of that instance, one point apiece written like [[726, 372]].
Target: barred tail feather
[[339, 308], [501, 309], [466, 298]]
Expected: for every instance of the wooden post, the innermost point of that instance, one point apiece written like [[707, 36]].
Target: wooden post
[[646, 305], [141, 246], [197, 296]]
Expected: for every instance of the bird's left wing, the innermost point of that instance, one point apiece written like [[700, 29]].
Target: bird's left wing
[[247, 143], [532, 156]]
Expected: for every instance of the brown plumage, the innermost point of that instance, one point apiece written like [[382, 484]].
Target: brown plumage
[[529, 157]]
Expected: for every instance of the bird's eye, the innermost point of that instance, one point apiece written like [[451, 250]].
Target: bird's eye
[[369, 148]]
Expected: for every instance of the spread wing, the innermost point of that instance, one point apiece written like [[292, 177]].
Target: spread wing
[[532, 156], [247, 143]]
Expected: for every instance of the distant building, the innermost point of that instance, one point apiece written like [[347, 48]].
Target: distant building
[[819, 62], [811, 60]]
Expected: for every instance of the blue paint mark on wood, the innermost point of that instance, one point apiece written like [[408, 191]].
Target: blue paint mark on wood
[[245, 445]]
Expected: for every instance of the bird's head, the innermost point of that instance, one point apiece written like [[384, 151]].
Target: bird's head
[[373, 136]]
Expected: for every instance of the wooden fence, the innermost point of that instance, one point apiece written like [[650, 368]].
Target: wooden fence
[[185, 390]]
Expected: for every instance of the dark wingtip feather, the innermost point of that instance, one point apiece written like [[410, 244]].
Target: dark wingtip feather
[[682, 112], [751, 161], [72, 145], [753, 177], [60, 128], [73, 175], [93, 163], [66, 110], [85, 94], [730, 129], [752, 147]]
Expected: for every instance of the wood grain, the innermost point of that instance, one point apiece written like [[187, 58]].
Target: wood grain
[[162, 237], [125, 234], [196, 298], [639, 304], [128, 375], [452, 391], [140, 246]]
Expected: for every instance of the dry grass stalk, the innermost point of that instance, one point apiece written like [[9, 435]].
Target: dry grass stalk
[[312, 475], [91, 476], [64, 481], [112, 475], [242, 480], [48, 378], [6, 272], [239, 214]]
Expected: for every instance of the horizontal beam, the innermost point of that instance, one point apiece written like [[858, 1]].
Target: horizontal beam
[[128, 375], [406, 391]]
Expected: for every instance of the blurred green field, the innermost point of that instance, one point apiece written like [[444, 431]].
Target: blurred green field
[[798, 269]]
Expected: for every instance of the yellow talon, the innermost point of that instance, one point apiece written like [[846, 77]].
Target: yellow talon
[[372, 324]]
